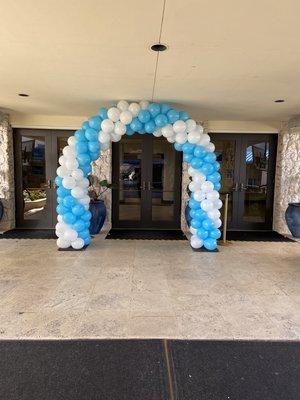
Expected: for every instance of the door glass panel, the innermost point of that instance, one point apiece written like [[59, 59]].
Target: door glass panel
[[34, 177], [163, 178], [62, 141], [130, 155], [225, 152], [255, 187]]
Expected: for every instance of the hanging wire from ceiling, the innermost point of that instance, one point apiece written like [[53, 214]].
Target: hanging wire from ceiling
[[157, 55]]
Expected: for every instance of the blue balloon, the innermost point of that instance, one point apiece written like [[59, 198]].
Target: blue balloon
[[173, 116], [86, 216], [85, 233], [200, 151], [94, 146], [187, 157], [188, 148], [208, 224], [60, 200], [69, 218], [196, 162], [69, 201], [195, 223], [61, 210], [83, 159], [81, 147], [193, 204], [154, 109], [178, 146], [207, 168], [183, 115], [85, 125], [200, 214], [150, 126], [63, 192], [217, 186], [103, 113], [215, 233], [202, 233], [94, 156], [129, 130], [144, 116], [79, 225], [193, 213], [95, 122], [215, 177], [91, 135], [136, 125], [161, 120], [217, 166], [86, 169], [165, 108], [142, 130], [87, 241], [87, 224], [210, 157], [210, 244], [58, 181], [80, 135], [78, 210]]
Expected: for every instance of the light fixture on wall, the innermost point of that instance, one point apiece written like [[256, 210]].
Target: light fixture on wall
[[279, 101], [23, 94], [159, 47]]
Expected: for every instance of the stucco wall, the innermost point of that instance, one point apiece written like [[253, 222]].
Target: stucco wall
[[7, 189], [287, 179]]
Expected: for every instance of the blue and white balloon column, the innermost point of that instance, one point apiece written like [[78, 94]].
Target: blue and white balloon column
[[109, 125]]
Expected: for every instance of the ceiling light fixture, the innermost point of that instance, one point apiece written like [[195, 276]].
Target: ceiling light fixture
[[23, 94], [159, 47], [279, 101]]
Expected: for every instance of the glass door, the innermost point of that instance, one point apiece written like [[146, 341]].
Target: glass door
[[36, 160]]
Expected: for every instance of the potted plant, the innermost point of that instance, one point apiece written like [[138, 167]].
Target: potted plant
[[97, 189], [292, 217]]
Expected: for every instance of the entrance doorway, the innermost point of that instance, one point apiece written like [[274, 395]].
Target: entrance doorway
[[36, 160], [147, 177], [247, 171]]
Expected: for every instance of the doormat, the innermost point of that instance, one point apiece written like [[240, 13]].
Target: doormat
[[257, 236], [149, 369], [29, 234], [128, 234]]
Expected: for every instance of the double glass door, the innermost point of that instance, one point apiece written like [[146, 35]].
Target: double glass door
[[247, 171], [147, 183], [36, 160]]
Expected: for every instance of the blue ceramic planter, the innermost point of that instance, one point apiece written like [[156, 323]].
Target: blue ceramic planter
[[292, 217], [98, 210]]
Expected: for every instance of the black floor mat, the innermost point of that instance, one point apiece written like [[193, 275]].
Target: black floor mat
[[131, 234], [257, 236], [149, 370], [29, 234]]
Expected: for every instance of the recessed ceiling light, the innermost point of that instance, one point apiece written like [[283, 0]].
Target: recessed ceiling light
[[158, 47], [279, 101], [23, 94]]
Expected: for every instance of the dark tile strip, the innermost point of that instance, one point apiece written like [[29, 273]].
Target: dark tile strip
[[170, 371]]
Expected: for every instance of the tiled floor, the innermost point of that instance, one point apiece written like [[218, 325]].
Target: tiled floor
[[149, 289]]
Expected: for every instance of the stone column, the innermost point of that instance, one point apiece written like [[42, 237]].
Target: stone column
[[7, 188], [287, 179]]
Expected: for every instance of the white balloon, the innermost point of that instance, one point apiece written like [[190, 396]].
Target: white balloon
[[218, 223], [77, 244], [157, 132], [193, 230], [134, 108], [179, 126], [105, 146], [207, 205], [62, 171], [218, 204], [192, 171], [72, 163], [181, 138], [200, 128], [113, 114], [59, 218], [83, 183], [194, 136], [62, 160], [107, 126], [85, 200], [61, 227], [167, 131], [190, 125], [193, 186], [70, 235], [144, 104], [210, 147], [214, 214], [115, 137], [199, 195], [120, 128], [69, 182], [204, 140], [171, 139], [69, 151], [77, 192], [196, 243], [207, 186], [104, 137], [72, 141], [214, 195], [77, 174], [123, 105], [126, 117], [198, 177], [62, 243]]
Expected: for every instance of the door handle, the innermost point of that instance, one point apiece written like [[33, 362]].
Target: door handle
[[46, 185], [149, 186], [243, 187], [235, 187], [143, 187]]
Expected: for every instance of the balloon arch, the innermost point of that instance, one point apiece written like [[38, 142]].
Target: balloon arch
[[109, 125]]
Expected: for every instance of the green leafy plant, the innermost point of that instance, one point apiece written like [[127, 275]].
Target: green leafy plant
[[31, 195], [98, 187]]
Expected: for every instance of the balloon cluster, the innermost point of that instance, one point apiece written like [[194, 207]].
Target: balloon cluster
[[109, 125]]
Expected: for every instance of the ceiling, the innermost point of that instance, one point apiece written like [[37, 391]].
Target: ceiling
[[226, 59]]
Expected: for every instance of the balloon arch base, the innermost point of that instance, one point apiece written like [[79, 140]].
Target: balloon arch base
[[109, 125]]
